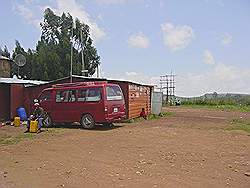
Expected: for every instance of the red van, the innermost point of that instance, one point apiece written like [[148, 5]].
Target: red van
[[84, 102]]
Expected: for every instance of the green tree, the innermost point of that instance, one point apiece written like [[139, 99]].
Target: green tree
[[54, 47], [5, 52], [52, 57]]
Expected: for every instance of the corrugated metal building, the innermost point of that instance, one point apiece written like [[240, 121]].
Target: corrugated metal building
[[12, 95], [137, 96]]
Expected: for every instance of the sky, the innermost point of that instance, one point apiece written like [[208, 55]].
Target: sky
[[206, 43]]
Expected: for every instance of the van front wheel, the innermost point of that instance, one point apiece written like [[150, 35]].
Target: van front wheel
[[47, 121], [87, 121]]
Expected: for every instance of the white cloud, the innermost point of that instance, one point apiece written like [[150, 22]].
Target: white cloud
[[226, 39], [138, 41], [177, 37], [208, 58], [222, 79], [27, 13], [131, 73], [77, 10]]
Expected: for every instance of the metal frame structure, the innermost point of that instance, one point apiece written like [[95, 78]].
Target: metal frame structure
[[167, 86]]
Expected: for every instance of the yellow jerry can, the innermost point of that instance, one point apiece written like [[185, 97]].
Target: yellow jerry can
[[17, 121], [33, 126]]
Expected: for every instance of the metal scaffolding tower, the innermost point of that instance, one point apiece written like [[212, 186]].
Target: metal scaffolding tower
[[167, 86]]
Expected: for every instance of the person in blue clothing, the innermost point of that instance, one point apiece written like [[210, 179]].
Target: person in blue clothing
[[37, 114]]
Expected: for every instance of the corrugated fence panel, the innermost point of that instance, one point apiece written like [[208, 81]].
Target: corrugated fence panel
[[4, 102], [139, 97]]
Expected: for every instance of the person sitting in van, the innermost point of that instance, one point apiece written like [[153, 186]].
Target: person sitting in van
[[37, 115], [72, 97]]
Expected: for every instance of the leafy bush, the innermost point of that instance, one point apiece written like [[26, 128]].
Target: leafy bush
[[227, 101]]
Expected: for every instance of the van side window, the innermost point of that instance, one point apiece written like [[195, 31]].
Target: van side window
[[66, 96], [81, 95], [93, 94], [89, 95], [114, 93]]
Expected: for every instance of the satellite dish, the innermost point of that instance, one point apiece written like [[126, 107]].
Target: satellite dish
[[20, 60]]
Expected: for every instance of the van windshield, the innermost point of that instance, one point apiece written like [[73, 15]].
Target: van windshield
[[114, 93], [45, 96]]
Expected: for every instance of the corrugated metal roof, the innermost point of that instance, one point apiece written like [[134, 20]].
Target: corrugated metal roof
[[4, 58], [36, 82], [129, 81], [20, 81], [111, 79]]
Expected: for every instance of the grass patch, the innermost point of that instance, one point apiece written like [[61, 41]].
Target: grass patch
[[150, 117], [9, 140], [52, 131], [240, 108], [238, 124], [165, 114]]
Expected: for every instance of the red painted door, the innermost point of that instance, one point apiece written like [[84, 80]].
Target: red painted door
[[65, 106], [90, 101], [45, 100]]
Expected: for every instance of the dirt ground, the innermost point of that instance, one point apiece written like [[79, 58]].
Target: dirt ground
[[190, 148]]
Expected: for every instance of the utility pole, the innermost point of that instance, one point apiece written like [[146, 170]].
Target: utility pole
[[71, 56], [83, 63], [167, 86], [84, 71], [97, 71]]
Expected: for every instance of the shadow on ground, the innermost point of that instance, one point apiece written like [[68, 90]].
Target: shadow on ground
[[96, 128]]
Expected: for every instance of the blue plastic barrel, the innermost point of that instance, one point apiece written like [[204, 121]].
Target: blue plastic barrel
[[22, 113]]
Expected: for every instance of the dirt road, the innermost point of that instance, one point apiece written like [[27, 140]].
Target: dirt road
[[191, 148]]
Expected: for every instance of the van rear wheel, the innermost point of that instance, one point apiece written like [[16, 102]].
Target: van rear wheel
[[87, 121]]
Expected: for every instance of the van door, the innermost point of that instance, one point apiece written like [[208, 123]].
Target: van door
[[64, 108], [115, 100], [45, 100], [90, 101]]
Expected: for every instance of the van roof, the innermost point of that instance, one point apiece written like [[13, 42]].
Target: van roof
[[77, 84]]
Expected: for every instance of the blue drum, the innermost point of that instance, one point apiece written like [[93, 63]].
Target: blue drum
[[22, 113]]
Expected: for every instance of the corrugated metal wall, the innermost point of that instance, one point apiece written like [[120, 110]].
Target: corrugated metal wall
[[139, 97], [16, 98], [156, 104], [136, 97], [4, 101]]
